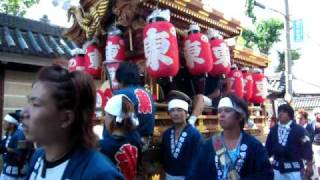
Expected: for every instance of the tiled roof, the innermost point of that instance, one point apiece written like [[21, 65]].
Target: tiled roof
[[24, 36], [306, 102]]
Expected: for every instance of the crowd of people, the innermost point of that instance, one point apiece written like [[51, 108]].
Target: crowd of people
[[58, 122]]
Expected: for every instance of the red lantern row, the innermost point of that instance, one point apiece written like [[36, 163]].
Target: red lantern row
[[251, 87], [161, 49]]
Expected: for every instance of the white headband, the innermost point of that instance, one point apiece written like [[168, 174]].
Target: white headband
[[114, 107], [11, 119], [178, 103], [226, 102]]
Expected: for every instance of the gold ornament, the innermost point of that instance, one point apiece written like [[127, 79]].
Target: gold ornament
[[89, 22]]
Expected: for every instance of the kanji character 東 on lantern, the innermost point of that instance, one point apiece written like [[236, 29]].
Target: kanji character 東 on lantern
[[220, 54], [160, 45], [115, 47], [259, 93], [197, 51]]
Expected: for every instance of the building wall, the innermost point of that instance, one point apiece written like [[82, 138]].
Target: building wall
[[17, 86]]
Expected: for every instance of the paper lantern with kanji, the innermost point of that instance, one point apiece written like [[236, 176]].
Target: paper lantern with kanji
[[197, 51], [236, 82], [115, 48], [103, 97], [220, 54], [111, 69], [160, 45], [104, 93], [247, 84], [76, 63], [100, 100], [259, 93], [93, 59]]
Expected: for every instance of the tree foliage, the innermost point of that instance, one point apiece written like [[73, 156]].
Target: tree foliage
[[249, 10], [267, 33], [16, 7], [294, 55]]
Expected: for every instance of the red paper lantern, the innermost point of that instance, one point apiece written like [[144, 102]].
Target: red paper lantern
[[236, 82], [115, 47], [76, 63], [93, 59], [111, 70], [259, 87], [160, 46], [197, 51], [247, 84], [100, 100], [220, 54], [104, 93]]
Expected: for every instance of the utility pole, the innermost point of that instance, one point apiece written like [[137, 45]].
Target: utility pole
[[288, 62]]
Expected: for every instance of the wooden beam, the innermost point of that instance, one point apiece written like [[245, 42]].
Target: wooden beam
[[1, 93], [25, 59]]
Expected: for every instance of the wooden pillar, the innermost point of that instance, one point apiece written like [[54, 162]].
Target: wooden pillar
[[1, 93]]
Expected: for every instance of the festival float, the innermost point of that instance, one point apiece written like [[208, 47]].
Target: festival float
[[165, 37]]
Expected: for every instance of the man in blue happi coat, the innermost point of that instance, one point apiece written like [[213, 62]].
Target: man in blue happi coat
[[289, 145], [180, 143], [231, 154], [13, 148]]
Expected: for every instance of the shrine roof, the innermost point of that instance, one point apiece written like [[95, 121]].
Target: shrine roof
[[29, 37]]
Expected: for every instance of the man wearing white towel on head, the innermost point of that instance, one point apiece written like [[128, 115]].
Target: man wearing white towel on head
[[180, 143]]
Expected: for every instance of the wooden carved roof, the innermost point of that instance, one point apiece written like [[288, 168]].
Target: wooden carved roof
[[132, 15], [94, 16], [247, 57], [185, 12]]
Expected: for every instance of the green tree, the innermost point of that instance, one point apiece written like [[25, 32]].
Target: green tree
[[294, 54], [249, 10], [16, 7], [267, 33]]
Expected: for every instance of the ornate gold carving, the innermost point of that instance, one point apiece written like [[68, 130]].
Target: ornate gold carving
[[89, 22]]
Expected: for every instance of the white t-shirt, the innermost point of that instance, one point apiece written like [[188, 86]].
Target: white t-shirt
[[51, 173]]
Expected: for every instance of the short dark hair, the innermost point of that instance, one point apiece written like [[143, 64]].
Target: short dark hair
[[128, 74], [286, 108], [241, 103]]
